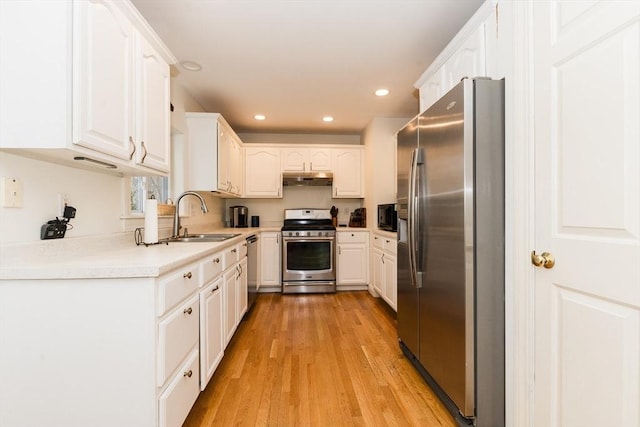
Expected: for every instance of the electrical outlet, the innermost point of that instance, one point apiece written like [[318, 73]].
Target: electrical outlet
[[63, 199], [11, 192]]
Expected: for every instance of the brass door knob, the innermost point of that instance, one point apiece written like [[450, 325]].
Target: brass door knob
[[545, 259]]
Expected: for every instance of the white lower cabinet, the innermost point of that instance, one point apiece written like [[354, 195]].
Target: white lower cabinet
[[270, 259], [352, 257], [177, 334], [384, 265], [176, 401], [136, 344], [235, 290], [230, 306], [211, 330]]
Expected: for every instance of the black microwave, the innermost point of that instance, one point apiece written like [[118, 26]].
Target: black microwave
[[387, 217]]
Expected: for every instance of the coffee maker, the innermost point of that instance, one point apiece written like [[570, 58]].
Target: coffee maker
[[239, 216]]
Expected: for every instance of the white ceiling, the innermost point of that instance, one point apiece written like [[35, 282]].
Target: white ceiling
[[296, 61]]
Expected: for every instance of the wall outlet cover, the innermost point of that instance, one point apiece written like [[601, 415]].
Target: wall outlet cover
[[11, 192]]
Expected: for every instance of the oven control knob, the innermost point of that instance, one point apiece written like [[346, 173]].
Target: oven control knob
[[297, 233]]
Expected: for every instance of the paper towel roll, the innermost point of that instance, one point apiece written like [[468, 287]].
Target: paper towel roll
[[151, 221]]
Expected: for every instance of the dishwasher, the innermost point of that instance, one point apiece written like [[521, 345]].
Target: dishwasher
[[252, 269]]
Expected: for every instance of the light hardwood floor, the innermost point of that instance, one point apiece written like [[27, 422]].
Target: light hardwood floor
[[317, 360]]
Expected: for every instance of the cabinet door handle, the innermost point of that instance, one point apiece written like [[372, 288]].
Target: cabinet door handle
[[277, 239], [187, 275], [216, 260], [244, 244], [189, 373], [187, 311], [144, 156], [133, 147], [382, 259], [234, 250], [215, 289]]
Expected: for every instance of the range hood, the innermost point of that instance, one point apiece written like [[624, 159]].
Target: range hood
[[307, 179]]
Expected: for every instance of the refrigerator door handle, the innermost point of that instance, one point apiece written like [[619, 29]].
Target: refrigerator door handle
[[414, 212]]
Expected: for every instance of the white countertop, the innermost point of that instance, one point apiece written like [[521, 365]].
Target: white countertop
[[112, 256]]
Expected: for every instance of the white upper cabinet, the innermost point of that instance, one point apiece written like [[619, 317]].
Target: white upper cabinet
[[468, 60], [215, 153], [104, 54], [319, 159], [263, 177], [306, 159], [348, 165], [105, 96], [153, 121], [472, 53]]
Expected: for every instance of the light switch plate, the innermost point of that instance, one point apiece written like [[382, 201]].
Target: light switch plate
[[11, 192]]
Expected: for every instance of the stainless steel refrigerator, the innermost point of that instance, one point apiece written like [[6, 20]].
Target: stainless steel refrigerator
[[451, 249]]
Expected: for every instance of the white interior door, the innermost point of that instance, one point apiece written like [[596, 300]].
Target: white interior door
[[587, 215]]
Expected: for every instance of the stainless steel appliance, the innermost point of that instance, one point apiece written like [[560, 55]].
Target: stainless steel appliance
[[451, 248], [308, 251], [387, 217], [239, 216], [252, 269]]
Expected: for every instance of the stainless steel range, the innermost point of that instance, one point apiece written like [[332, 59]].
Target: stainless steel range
[[308, 251]]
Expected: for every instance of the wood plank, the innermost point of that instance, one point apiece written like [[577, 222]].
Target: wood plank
[[326, 359]]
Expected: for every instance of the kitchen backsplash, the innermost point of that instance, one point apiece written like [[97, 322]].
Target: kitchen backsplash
[[271, 211]]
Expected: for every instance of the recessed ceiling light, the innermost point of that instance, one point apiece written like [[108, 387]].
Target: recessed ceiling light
[[191, 66], [260, 117], [382, 92], [327, 119]]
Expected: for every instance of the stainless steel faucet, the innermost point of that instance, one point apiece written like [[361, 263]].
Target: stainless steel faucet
[[176, 217]]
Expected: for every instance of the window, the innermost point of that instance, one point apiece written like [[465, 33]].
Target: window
[[143, 187]]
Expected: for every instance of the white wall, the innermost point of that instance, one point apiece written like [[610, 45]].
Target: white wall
[[98, 198], [379, 139], [271, 211]]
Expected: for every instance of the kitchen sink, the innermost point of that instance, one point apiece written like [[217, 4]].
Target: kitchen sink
[[203, 237]]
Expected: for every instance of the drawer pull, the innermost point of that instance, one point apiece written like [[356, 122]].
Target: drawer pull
[[188, 373], [215, 289], [233, 251], [387, 241], [188, 310], [216, 261], [187, 275]]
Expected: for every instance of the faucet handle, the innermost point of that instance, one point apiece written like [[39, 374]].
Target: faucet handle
[[186, 231]]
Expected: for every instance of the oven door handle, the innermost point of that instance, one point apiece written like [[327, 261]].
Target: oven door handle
[[308, 239]]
